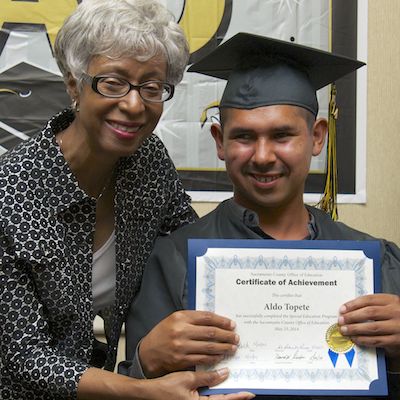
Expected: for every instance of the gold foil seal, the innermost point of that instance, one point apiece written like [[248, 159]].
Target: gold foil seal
[[336, 341]]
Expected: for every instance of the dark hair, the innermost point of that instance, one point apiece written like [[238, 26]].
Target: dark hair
[[308, 116]]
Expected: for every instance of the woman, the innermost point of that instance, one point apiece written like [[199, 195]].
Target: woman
[[82, 203]]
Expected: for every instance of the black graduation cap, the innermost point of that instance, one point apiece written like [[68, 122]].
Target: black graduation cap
[[263, 71]]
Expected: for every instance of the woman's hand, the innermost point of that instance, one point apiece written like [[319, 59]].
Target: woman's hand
[[97, 384], [184, 385], [184, 339]]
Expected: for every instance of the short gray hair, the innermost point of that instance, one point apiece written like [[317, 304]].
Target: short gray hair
[[140, 29]]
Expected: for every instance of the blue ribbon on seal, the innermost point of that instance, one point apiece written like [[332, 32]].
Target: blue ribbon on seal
[[349, 356]]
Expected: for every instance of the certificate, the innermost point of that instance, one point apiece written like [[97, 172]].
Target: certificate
[[284, 297]]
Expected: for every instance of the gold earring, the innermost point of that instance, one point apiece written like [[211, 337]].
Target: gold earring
[[75, 105]]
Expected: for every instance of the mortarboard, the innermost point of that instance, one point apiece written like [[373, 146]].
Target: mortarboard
[[262, 71]]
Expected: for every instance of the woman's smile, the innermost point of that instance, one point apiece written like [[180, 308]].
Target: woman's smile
[[125, 130]]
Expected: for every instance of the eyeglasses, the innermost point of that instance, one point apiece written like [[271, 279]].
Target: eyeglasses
[[111, 86]]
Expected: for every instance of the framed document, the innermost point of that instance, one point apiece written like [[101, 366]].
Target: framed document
[[284, 297]]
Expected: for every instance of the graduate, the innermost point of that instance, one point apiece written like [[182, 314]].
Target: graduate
[[269, 130]]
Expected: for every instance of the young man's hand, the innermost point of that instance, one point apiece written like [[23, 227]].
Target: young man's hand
[[185, 339], [373, 321]]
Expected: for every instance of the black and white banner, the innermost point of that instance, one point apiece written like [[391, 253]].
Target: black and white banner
[[31, 88]]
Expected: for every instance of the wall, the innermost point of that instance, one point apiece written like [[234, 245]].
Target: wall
[[380, 216]]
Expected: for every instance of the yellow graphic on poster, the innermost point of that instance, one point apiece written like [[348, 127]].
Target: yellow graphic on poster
[[200, 21], [44, 12]]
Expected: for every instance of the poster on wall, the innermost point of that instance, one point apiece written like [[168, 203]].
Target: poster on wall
[[32, 90]]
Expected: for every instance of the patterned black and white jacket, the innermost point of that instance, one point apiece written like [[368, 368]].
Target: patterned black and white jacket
[[46, 234]]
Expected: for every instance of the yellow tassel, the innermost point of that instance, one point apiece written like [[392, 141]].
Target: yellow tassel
[[328, 200]]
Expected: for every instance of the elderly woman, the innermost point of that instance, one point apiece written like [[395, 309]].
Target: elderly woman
[[82, 203]]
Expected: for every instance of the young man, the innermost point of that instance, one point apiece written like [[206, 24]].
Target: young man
[[267, 134]]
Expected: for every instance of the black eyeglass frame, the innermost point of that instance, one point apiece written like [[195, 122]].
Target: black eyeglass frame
[[93, 80]]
